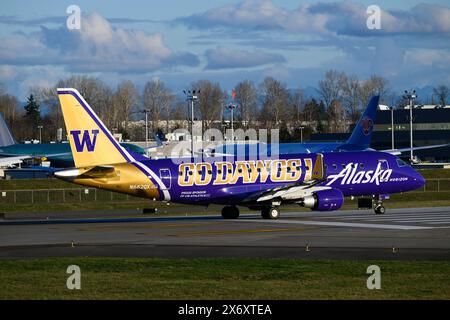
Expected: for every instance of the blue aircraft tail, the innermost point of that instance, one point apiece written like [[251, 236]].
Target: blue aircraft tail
[[158, 140], [362, 133], [6, 138]]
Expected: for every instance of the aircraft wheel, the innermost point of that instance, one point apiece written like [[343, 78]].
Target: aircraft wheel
[[230, 212], [270, 213], [380, 209]]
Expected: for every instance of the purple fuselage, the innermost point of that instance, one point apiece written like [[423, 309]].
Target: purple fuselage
[[233, 181]]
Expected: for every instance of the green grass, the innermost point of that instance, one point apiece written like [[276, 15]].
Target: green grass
[[114, 278]]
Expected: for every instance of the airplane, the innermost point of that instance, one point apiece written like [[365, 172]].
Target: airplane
[[318, 181], [360, 139], [59, 154]]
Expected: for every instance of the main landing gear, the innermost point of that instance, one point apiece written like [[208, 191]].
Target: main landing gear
[[271, 213], [230, 212]]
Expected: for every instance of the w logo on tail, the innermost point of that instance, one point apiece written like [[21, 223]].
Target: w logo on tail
[[85, 140]]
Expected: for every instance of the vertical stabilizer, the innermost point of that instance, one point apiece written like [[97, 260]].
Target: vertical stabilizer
[[362, 133], [90, 141], [6, 138]]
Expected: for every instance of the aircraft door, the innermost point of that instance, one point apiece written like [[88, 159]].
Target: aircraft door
[[166, 177], [384, 164]]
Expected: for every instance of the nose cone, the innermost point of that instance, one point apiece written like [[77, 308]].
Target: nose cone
[[419, 181]]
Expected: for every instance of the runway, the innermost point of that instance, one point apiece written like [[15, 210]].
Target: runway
[[413, 234]]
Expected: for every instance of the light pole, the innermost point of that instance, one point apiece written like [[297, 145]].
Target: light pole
[[40, 133], [146, 126], [232, 106], [191, 97], [411, 96], [301, 134], [392, 128]]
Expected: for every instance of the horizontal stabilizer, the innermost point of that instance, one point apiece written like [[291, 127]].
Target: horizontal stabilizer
[[400, 151], [94, 172]]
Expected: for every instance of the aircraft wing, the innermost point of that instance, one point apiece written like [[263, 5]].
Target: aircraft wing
[[9, 161], [400, 151], [294, 192]]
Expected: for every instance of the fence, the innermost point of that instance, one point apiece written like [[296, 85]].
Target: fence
[[94, 195], [436, 185], [62, 195]]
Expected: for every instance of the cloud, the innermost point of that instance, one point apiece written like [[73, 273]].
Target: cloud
[[225, 58], [59, 20], [96, 47], [322, 18]]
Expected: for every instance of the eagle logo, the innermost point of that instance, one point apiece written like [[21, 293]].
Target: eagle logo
[[367, 126]]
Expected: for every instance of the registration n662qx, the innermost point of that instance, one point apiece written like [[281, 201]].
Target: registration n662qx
[[313, 180]]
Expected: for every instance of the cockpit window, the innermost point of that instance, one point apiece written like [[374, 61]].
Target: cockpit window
[[401, 163]]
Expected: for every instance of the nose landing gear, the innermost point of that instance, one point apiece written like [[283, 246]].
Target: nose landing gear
[[378, 207], [271, 213]]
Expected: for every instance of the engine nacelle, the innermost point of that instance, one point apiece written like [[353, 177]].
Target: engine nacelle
[[324, 200]]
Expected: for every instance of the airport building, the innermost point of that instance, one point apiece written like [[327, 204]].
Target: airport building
[[431, 126]]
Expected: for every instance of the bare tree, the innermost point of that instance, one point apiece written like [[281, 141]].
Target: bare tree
[[336, 117], [9, 108], [441, 92], [210, 101], [296, 103], [247, 98], [351, 97], [275, 100], [124, 100], [157, 98], [331, 88], [375, 85]]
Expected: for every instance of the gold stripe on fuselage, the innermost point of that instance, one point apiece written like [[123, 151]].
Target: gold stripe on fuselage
[[125, 178]]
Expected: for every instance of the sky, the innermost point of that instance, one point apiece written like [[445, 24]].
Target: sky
[[225, 41]]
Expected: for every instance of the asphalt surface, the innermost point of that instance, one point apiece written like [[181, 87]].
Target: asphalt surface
[[411, 234]]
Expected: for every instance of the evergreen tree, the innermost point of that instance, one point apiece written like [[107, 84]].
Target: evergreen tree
[[32, 114], [32, 110]]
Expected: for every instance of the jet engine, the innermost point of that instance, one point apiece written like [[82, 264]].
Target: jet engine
[[324, 200]]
